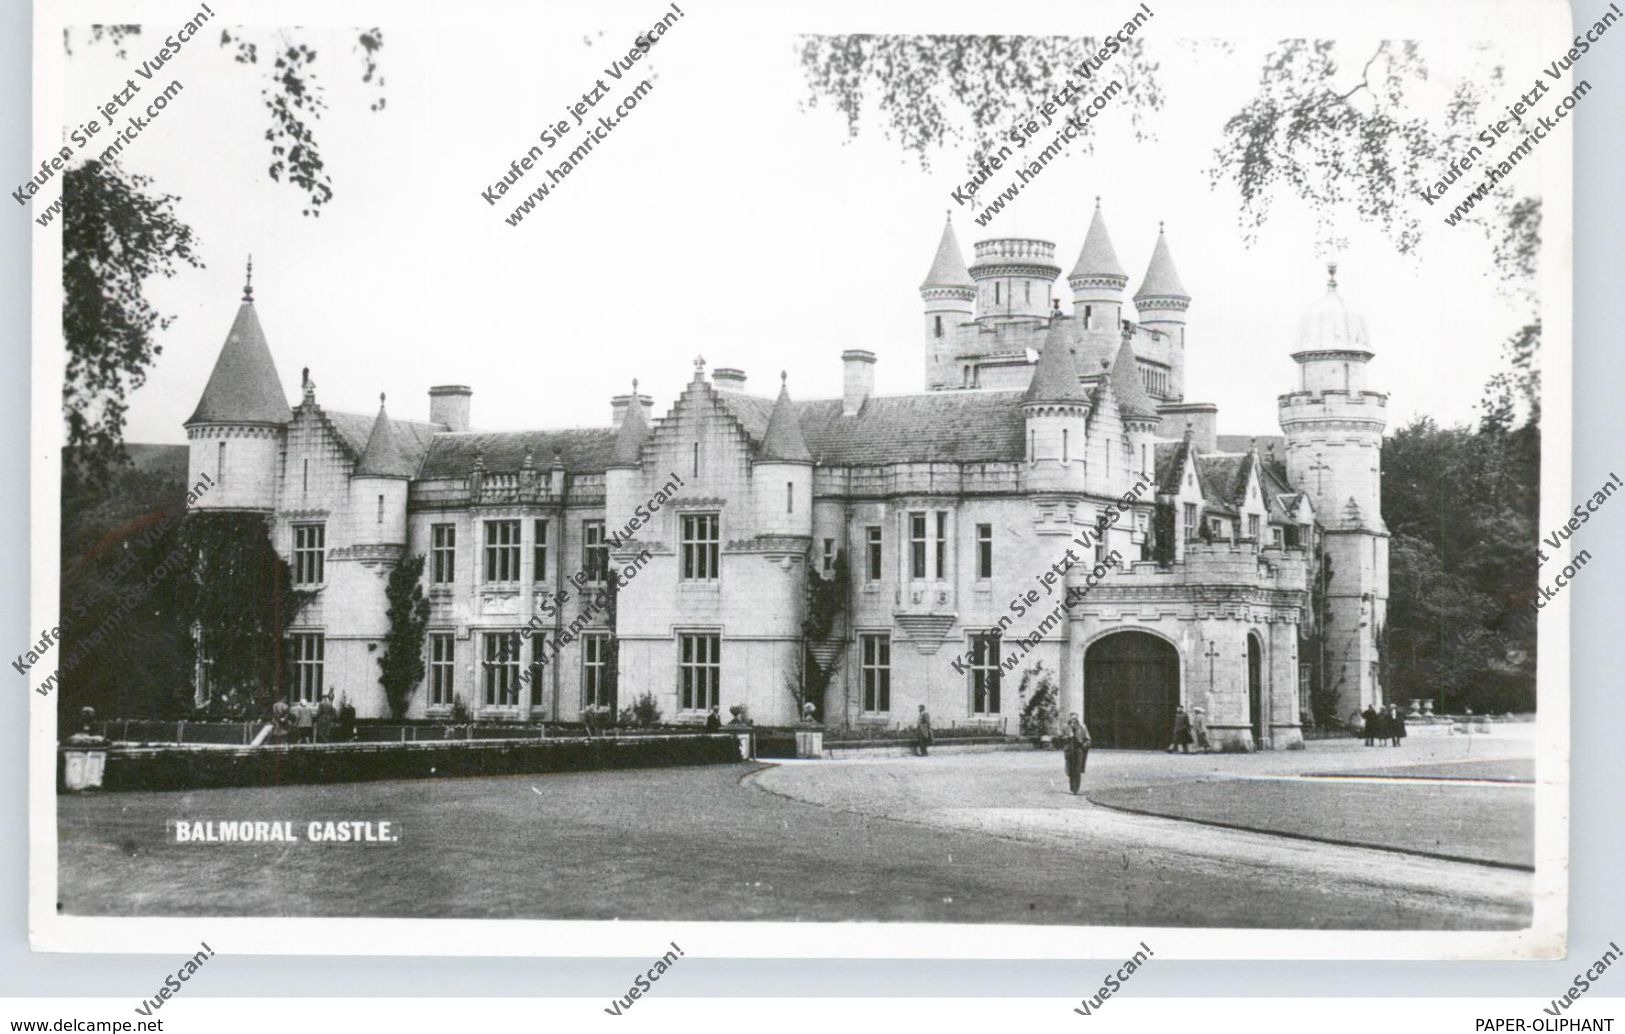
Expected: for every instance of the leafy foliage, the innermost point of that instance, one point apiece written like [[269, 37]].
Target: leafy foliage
[[1462, 507], [642, 712], [1040, 712], [933, 93], [401, 666], [116, 536], [237, 593], [115, 236], [826, 599], [118, 233]]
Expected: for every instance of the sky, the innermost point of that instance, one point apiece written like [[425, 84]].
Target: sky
[[724, 218]]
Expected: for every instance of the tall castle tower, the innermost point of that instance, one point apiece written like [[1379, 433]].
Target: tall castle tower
[[1161, 302], [950, 296], [1056, 408], [236, 433], [1014, 276], [1333, 428], [1097, 280]]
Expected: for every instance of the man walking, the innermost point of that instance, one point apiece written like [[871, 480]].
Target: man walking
[[922, 733], [1075, 744], [1370, 716]]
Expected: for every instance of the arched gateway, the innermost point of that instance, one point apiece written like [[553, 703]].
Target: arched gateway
[[1130, 689]]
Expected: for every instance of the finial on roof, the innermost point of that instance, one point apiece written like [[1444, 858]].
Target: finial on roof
[[1331, 274], [1159, 226], [479, 459], [699, 367], [558, 460], [634, 387], [380, 400], [1105, 363], [529, 462], [784, 378], [248, 284], [1097, 200], [304, 377]]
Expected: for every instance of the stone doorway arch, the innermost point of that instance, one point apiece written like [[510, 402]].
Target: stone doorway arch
[[1130, 690]]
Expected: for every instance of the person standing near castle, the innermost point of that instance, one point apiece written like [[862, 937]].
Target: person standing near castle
[[1075, 744], [1370, 716], [1199, 729], [326, 716], [1182, 732], [922, 733]]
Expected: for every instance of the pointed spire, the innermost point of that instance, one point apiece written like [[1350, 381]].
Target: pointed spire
[[782, 441], [1055, 378], [384, 457], [1161, 278], [948, 269], [244, 387], [632, 434], [1098, 258], [1132, 401]]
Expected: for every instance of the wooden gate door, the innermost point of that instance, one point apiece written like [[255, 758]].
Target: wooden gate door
[[1131, 686]]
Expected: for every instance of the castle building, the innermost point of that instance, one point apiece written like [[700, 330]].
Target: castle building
[[1050, 508]]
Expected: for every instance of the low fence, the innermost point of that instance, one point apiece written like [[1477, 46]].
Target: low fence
[[198, 768]]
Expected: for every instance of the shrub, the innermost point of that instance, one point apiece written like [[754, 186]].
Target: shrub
[[643, 712], [1040, 712]]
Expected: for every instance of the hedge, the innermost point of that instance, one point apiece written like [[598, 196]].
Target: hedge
[[198, 768]]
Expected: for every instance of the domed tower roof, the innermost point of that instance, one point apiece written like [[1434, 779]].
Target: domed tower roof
[[1132, 401], [244, 387], [384, 456], [948, 268], [1329, 325], [1161, 278], [1098, 258], [782, 441], [633, 433], [1055, 378]]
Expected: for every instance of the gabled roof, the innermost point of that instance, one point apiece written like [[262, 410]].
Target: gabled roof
[[1171, 458], [584, 450], [244, 387], [1055, 378], [1217, 475], [948, 267], [1161, 278], [631, 435], [1132, 401], [388, 453], [935, 426], [782, 442], [1098, 257], [354, 431]]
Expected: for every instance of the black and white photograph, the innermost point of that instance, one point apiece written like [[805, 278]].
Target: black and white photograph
[[669, 479]]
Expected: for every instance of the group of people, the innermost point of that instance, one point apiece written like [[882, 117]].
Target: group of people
[[304, 723], [1383, 728], [1190, 730]]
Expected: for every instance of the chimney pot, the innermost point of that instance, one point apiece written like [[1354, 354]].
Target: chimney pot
[[858, 379], [449, 405]]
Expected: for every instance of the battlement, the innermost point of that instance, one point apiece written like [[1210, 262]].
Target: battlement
[[1013, 251]]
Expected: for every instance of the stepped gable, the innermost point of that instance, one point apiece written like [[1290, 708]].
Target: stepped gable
[[583, 450], [1055, 378], [244, 387], [930, 427], [782, 441], [1132, 401], [388, 453]]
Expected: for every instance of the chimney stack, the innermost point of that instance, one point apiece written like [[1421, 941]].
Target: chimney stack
[[618, 404], [857, 380], [449, 405], [727, 378]]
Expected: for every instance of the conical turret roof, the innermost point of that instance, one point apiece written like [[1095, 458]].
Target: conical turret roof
[[1161, 278], [782, 442], [1132, 401], [244, 387], [632, 434], [384, 456], [1098, 257], [948, 268], [1055, 378]]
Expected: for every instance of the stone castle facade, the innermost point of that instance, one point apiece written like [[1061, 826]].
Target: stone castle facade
[[945, 508]]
